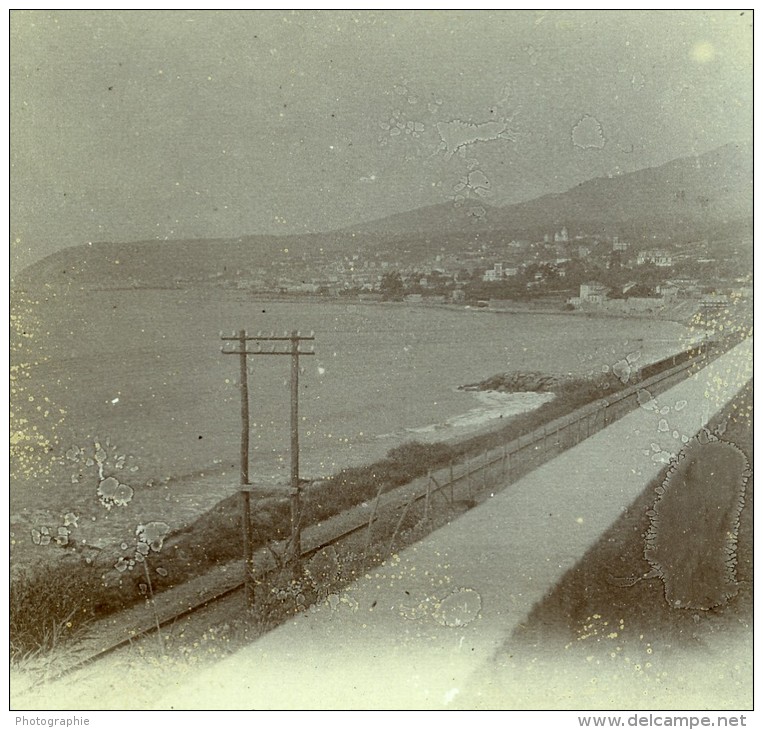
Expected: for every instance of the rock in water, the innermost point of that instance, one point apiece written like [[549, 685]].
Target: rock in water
[[520, 382]]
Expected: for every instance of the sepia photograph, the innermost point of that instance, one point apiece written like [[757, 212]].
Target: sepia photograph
[[504, 461]]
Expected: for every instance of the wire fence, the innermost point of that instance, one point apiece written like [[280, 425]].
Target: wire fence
[[459, 484], [465, 482], [468, 481]]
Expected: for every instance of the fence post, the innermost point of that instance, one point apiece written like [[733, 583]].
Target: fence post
[[451, 481], [518, 452], [469, 476], [426, 497], [370, 525]]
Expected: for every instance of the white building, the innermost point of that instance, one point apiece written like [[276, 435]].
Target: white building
[[494, 274], [655, 256], [562, 236], [593, 291]]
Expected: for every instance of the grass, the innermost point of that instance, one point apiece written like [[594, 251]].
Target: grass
[[47, 607], [41, 618]]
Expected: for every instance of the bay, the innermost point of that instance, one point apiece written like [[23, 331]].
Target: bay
[[144, 369]]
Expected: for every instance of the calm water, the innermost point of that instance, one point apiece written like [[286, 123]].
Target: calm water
[[145, 370]]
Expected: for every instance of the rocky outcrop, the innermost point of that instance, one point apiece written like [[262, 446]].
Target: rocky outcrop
[[521, 382]]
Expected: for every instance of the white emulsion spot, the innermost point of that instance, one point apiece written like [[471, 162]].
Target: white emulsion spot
[[588, 133]]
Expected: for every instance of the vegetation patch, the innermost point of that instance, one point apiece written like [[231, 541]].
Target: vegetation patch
[[91, 585]]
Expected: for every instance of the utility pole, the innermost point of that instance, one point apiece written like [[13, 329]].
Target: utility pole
[[293, 338], [246, 507], [296, 507]]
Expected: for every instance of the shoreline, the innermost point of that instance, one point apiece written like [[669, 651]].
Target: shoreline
[[221, 480], [517, 307], [335, 495], [495, 407]]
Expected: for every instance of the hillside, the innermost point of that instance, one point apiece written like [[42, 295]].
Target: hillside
[[686, 196], [708, 196]]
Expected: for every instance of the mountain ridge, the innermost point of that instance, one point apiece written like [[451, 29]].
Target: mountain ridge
[[734, 157], [697, 196]]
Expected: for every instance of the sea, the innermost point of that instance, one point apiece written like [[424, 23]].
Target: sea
[[143, 370]]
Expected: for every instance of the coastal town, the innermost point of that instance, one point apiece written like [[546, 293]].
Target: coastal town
[[574, 271]]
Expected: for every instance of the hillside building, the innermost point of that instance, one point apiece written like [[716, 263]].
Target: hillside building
[[656, 256]]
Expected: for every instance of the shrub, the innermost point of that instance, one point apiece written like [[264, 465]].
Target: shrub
[[48, 605]]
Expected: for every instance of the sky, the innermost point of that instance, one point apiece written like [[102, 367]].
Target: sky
[[142, 125]]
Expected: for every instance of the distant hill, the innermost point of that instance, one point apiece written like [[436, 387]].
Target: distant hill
[[707, 196], [688, 196], [684, 196]]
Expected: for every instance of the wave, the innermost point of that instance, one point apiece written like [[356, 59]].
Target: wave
[[494, 406]]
